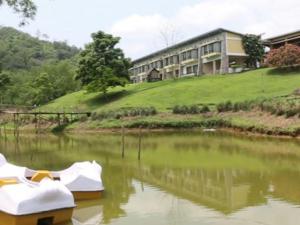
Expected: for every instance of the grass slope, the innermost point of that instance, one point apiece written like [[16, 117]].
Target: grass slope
[[186, 91]]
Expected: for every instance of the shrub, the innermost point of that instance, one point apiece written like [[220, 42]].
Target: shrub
[[124, 112], [291, 112], [193, 109], [285, 56], [83, 118], [205, 109], [225, 107]]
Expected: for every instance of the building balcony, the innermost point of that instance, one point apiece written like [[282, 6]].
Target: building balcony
[[189, 61], [211, 57], [171, 66]]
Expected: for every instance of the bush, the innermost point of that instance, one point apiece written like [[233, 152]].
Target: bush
[[124, 112], [225, 107], [205, 109], [291, 112], [193, 109], [285, 56]]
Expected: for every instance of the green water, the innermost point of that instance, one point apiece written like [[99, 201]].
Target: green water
[[183, 178]]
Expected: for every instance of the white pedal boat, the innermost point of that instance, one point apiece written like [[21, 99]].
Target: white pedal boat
[[26, 203], [83, 179]]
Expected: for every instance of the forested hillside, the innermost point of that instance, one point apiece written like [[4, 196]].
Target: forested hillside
[[19, 50], [34, 71]]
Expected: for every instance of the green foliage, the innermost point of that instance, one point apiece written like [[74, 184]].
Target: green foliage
[[26, 8], [208, 123], [193, 109], [225, 107], [124, 112], [254, 48], [19, 50], [41, 84], [102, 65], [4, 82], [39, 71]]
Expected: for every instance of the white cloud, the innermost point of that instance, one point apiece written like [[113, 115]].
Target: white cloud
[[141, 33]]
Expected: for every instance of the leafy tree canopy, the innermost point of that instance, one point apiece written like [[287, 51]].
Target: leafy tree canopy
[[26, 8], [4, 81], [102, 65], [285, 56], [254, 48]]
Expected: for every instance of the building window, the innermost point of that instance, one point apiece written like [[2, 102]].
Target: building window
[[195, 54], [211, 48], [195, 69], [188, 54], [171, 60], [189, 70], [183, 56], [205, 50], [176, 59], [217, 47], [167, 61], [160, 64]]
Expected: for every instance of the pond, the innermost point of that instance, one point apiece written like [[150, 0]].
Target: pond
[[183, 178]]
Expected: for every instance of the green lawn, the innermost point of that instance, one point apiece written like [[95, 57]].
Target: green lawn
[[209, 89]]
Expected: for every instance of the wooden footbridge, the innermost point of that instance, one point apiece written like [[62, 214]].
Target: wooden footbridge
[[19, 115]]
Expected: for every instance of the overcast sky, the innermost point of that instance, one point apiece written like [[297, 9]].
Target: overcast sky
[[143, 24]]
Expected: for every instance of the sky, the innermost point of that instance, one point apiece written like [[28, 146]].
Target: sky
[[147, 26]]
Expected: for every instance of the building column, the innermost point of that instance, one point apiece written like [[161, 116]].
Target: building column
[[214, 66], [224, 57], [180, 66], [200, 63]]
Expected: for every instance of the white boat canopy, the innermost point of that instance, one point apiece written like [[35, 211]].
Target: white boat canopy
[[81, 176], [26, 198]]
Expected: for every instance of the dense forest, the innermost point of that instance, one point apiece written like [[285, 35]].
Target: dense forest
[[34, 71]]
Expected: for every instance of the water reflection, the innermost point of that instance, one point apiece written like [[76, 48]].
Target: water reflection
[[183, 178]]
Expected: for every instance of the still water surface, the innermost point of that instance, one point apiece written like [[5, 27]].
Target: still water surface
[[183, 178]]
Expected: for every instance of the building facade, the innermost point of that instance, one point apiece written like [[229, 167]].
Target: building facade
[[217, 52]]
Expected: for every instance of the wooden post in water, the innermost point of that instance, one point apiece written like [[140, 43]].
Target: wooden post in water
[[58, 118], [39, 123], [4, 130], [123, 142], [17, 126], [14, 124], [140, 143], [35, 123]]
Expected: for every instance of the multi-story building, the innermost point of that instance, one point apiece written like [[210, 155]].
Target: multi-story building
[[215, 52]]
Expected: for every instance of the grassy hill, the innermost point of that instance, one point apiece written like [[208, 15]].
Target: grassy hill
[[186, 91]]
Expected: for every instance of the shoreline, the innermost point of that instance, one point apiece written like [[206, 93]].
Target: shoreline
[[248, 124]]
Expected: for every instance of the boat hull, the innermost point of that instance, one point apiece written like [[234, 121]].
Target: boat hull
[[86, 195], [44, 218]]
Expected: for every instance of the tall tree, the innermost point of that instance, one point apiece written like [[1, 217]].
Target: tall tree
[[102, 65], [26, 8], [254, 48], [4, 82]]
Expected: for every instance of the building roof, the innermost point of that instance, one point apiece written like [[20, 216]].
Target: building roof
[[191, 40], [151, 70], [283, 36]]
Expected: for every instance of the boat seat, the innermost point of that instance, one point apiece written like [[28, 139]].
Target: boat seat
[[40, 175], [6, 181]]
